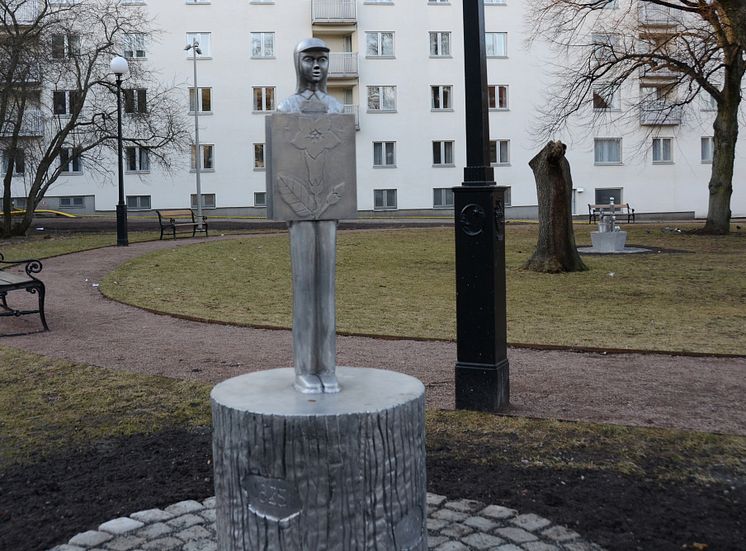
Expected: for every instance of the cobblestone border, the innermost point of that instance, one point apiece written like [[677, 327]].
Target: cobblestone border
[[460, 525]]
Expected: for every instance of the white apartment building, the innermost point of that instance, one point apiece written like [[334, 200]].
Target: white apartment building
[[398, 65]]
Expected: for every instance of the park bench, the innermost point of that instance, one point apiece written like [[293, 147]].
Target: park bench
[[621, 209], [13, 282], [174, 219]]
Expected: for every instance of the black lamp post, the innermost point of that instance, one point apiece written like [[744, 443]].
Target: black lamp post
[[482, 372], [119, 67]]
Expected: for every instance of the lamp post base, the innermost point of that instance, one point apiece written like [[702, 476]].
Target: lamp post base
[[483, 387], [122, 240]]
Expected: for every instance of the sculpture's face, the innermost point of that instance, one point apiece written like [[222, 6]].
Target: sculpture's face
[[314, 66]]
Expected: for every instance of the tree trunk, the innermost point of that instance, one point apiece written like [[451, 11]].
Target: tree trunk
[[555, 251], [724, 150]]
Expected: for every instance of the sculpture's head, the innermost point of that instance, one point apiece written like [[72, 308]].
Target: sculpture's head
[[311, 64]]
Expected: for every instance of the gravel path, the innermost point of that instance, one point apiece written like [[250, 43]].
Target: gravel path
[[703, 394]]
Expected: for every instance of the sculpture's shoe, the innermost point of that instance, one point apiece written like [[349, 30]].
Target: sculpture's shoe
[[308, 384], [329, 380]]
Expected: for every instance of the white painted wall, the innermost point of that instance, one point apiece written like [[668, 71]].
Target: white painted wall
[[233, 128]]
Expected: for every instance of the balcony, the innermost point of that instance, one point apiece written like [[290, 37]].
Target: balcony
[[353, 110], [25, 12], [660, 113], [343, 65], [32, 125], [333, 12], [656, 16], [656, 73]]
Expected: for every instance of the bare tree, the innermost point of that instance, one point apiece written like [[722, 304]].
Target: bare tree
[[667, 55], [555, 249], [58, 101]]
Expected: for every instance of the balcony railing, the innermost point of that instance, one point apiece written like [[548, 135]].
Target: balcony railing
[[651, 14], [658, 73], [32, 125], [343, 65], [354, 110], [333, 11], [660, 113], [25, 12]]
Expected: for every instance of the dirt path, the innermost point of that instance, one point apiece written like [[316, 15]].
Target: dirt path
[[703, 394]]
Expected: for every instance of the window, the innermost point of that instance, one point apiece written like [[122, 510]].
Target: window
[[607, 151], [379, 44], [438, 1], [64, 102], [260, 199], [707, 147], [71, 160], [604, 46], [440, 44], [604, 196], [262, 44], [381, 98], [708, 102], [207, 161], [384, 154], [258, 156], [65, 45], [135, 100], [384, 199], [203, 41], [497, 44], [72, 202], [662, 150], [440, 98], [495, 2], [498, 96], [442, 197], [605, 97], [138, 202], [201, 100], [443, 153], [137, 158], [264, 98], [19, 202], [133, 46], [208, 200], [500, 152], [19, 162]]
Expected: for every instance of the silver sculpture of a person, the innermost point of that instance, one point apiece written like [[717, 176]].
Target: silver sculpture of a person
[[311, 58], [313, 244]]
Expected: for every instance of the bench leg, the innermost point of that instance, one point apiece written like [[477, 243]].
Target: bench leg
[[5, 303], [41, 291], [174, 231]]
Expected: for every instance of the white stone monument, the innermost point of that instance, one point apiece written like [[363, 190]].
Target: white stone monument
[[317, 458]]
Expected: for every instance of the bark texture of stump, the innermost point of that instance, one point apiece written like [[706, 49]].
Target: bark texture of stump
[[339, 471], [556, 250]]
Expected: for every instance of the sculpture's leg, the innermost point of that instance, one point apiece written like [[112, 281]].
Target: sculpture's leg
[[326, 329], [303, 258]]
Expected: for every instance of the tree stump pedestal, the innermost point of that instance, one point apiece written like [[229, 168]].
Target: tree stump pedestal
[[341, 471]]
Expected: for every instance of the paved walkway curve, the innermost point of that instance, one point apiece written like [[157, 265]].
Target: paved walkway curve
[[633, 389], [455, 525]]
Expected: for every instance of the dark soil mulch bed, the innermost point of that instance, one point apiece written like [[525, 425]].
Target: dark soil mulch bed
[[46, 503]]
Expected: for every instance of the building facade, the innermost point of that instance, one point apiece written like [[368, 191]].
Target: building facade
[[398, 66]]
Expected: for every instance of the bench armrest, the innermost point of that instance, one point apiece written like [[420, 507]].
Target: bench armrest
[[33, 266]]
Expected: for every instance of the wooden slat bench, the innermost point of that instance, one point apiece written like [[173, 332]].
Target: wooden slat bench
[[174, 219], [14, 282], [620, 209]]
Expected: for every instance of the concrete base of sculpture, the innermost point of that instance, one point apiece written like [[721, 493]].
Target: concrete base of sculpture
[[607, 242], [323, 471]]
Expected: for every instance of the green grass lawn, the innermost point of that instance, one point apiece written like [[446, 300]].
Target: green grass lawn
[[401, 283], [48, 405], [45, 246]]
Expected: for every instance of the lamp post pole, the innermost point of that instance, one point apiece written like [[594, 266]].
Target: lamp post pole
[[194, 46], [119, 67], [482, 371]]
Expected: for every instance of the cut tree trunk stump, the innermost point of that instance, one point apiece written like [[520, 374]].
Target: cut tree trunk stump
[[342, 471], [555, 250]]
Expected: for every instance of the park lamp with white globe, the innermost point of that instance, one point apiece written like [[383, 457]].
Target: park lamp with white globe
[[120, 67], [194, 46]]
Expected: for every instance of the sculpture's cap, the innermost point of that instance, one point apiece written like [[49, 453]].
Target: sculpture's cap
[[311, 44]]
